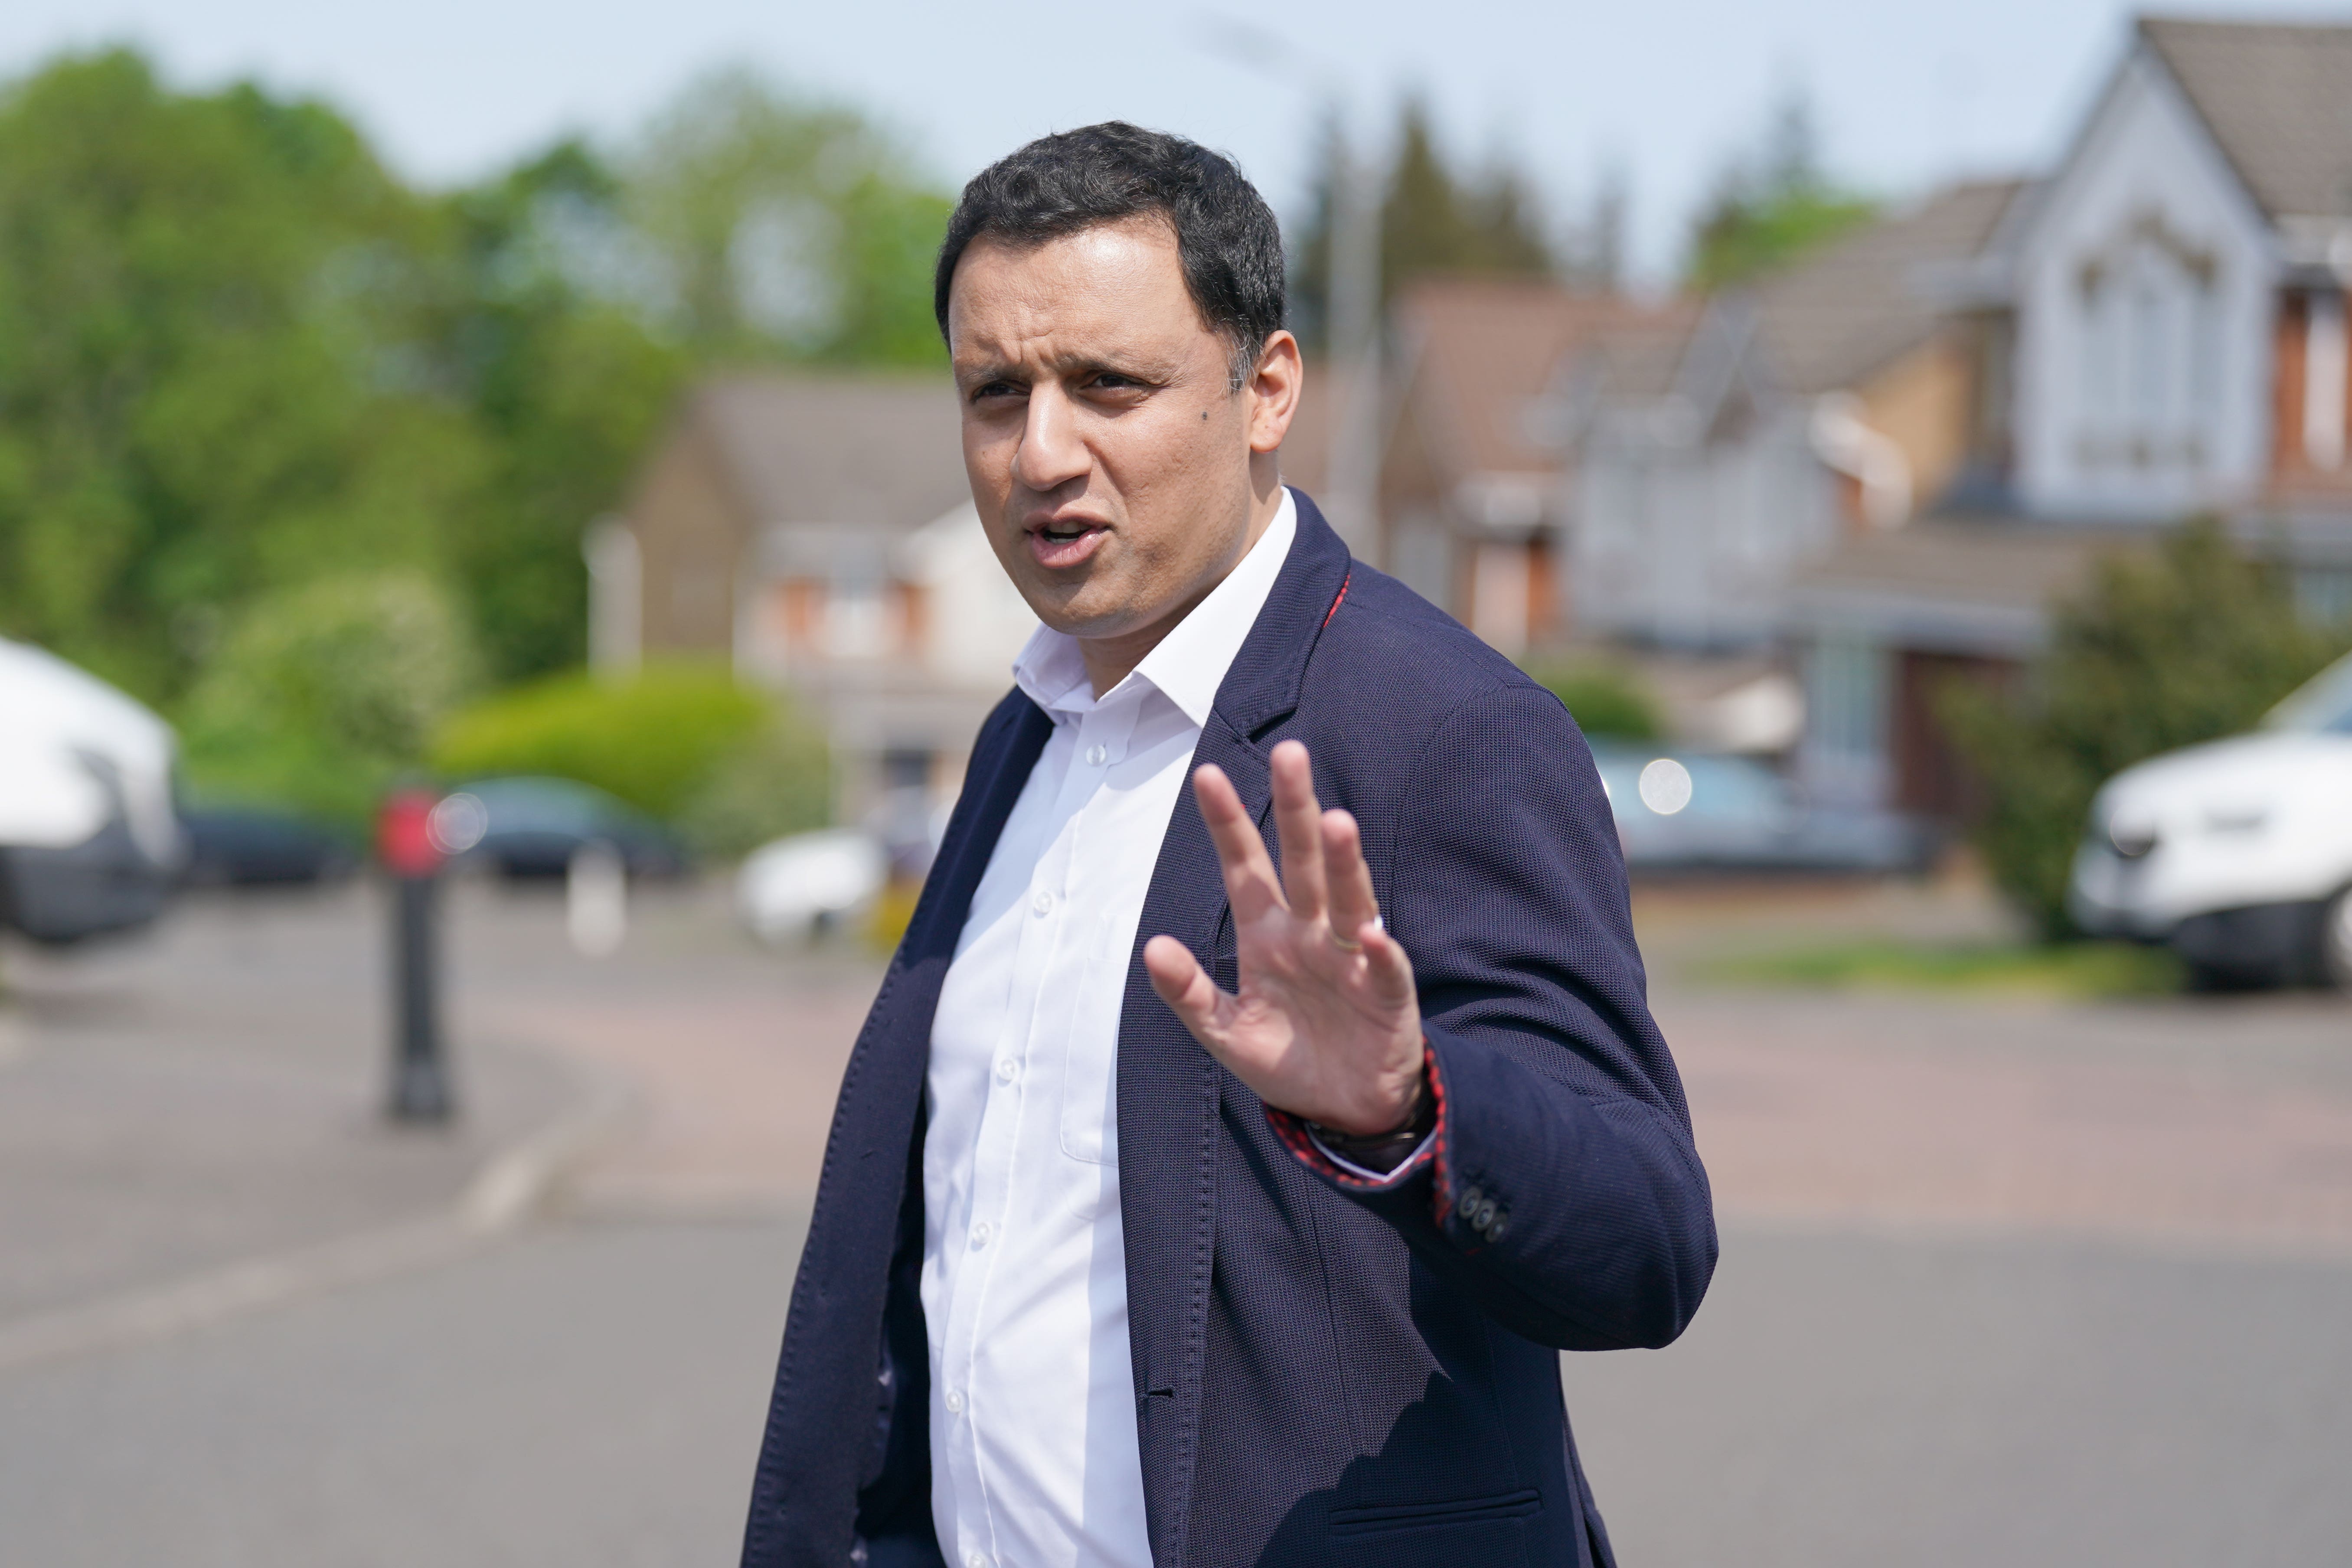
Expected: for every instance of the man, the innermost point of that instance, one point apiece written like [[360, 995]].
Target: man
[[1217, 1175]]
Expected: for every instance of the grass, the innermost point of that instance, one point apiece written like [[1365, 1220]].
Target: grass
[[2074, 970]]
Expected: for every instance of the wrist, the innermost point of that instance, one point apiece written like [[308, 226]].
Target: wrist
[[1386, 1150]]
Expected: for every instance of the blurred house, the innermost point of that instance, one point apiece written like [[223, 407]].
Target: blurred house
[[1474, 507], [817, 532], [1892, 458], [1723, 450]]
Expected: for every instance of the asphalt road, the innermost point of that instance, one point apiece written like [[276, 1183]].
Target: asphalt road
[[2015, 1282], [587, 1395], [1844, 1401], [591, 1395]]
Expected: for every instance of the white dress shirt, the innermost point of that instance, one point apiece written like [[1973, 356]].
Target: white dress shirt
[[1034, 1455]]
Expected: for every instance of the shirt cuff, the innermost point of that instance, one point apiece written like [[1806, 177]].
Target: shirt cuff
[[1380, 1179], [1300, 1140]]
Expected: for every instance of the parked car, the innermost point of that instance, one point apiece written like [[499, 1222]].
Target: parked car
[[1684, 811], [2236, 854], [528, 827], [259, 846], [89, 841], [796, 888]]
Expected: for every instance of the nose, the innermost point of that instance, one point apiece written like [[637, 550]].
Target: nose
[[1050, 454]]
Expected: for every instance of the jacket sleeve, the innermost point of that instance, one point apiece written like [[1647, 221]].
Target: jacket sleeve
[[1563, 1191]]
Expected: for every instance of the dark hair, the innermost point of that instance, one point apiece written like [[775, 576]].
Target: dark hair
[[1227, 238]]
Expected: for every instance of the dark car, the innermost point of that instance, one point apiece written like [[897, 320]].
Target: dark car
[[533, 826], [1680, 811], [255, 845]]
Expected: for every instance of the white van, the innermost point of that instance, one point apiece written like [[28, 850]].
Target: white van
[[2236, 854], [89, 839]]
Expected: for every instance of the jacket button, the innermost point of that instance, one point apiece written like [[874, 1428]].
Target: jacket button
[[1494, 1231], [1470, 1198], [1486, 1216]]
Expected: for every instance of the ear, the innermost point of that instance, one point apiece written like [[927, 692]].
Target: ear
[[1272, 391]]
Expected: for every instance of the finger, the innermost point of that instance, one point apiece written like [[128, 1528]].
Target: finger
[[1353, 907], [1390, 970], [1183, 984], [1249, 871], [1298, 826]]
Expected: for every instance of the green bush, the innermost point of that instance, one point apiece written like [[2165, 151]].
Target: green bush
[[777, 781], [320, 696], [682, 741], [2189, 643], [1603, 700]]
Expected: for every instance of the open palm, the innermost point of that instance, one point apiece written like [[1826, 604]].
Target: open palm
[[1325, 1024]]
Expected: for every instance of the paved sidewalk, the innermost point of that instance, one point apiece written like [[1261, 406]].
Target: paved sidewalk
[[2183, 1123], [732, 1054]]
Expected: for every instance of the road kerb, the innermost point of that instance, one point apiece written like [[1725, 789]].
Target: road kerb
[[509, 1189]]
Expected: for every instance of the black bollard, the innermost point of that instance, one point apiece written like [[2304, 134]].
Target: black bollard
[[420, 1071], [420, 1074]]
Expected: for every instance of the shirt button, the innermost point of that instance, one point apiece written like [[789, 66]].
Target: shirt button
[[1007, 1070], [955, 1401], [1097, 755], [975, 1560], [1042, 905], [980, 1234]]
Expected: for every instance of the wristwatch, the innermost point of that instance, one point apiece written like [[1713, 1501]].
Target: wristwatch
[[1383, 1150]]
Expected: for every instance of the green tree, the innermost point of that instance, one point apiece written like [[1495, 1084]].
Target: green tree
[[238, 357], [1435, 220], [2188, 644], [774, 227], [211, 377], [568, 386], [320, 695], [1766, 213]]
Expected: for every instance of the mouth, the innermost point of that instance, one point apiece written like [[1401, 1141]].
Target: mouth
[[1063, 542]]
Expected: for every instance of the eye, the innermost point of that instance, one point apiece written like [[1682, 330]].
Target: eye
[[994, 389], [1117, 384]]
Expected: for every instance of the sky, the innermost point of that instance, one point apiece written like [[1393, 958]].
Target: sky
[[1904, 94]]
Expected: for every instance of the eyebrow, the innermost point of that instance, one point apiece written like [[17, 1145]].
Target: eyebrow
[[1142, 366]]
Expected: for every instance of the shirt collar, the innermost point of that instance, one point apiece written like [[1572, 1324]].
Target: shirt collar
[[1189, 664]]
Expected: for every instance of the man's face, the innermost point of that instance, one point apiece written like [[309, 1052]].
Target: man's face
[[1110, 460]]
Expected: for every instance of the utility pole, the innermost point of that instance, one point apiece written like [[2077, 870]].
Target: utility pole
[[1354, 291], [1351, 484]]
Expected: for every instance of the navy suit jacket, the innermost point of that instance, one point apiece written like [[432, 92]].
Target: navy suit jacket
[[1324, 1374]]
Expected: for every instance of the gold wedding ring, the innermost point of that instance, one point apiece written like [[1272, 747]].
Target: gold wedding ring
[[1344, 944]]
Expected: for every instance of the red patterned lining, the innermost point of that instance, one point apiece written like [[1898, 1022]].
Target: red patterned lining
[[1295, 1137]]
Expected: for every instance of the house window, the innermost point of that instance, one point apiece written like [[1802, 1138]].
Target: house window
[[856, 619], [2323, 596], [1847, 705], [1499, 597], [2151, 352]]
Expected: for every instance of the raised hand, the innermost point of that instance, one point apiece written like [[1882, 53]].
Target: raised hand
[[1326, 1024]]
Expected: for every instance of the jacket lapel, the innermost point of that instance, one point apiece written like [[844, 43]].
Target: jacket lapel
[[1169, 1088]]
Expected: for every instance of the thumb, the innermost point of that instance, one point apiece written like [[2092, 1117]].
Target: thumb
[[1183, 984]]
